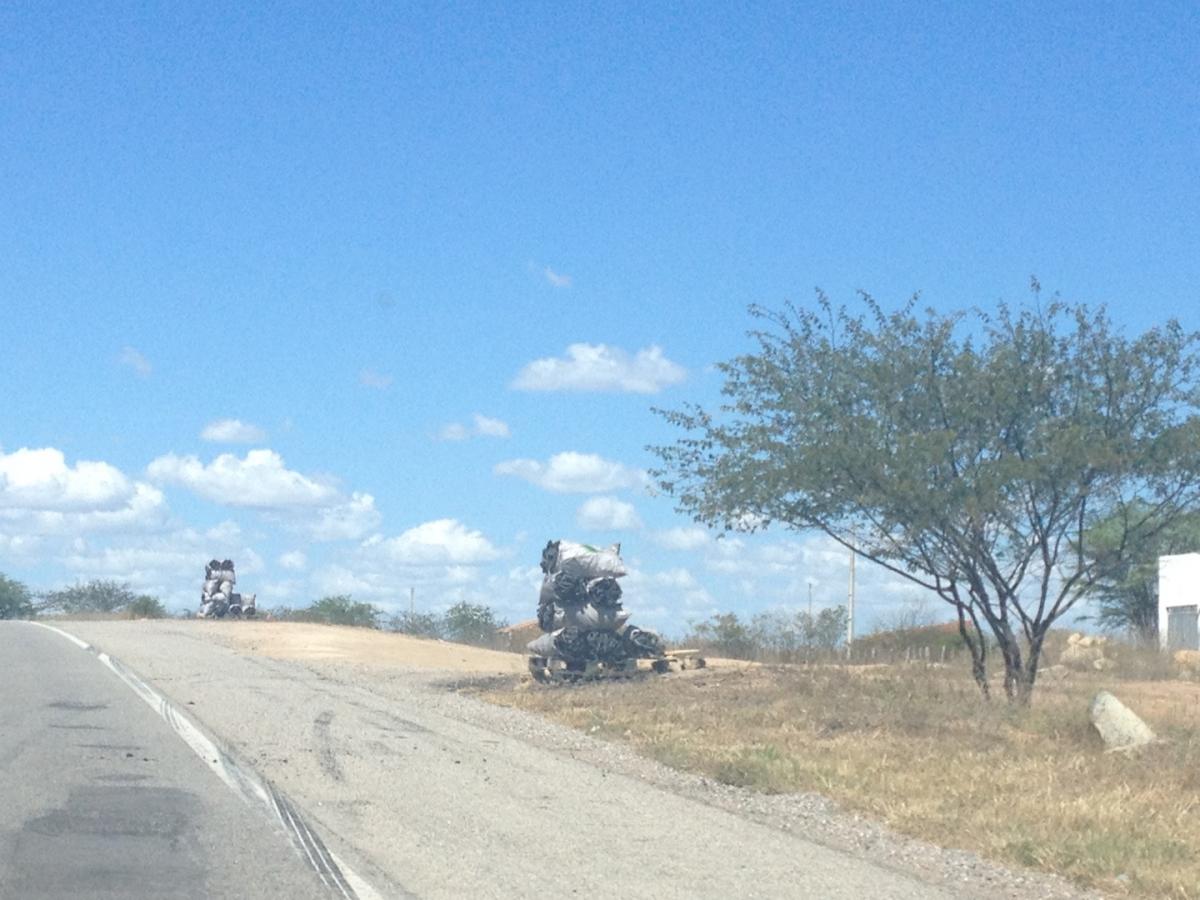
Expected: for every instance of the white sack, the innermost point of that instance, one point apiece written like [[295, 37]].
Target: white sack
[[544, 645], [589, 618], [586, 562]]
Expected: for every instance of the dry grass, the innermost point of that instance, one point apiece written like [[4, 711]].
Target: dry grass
[[914, 747]]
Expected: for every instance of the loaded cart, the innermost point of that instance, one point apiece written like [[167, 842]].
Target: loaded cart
[[218, 597], [586, 629]]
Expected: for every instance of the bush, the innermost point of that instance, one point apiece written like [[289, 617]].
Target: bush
[[471, 623], [775, 635], [146, 607], [16, 602], [418, 624], [339, 609], [96, 596], [464, 623]]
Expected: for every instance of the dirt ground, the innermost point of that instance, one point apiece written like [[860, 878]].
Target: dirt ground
[[332, 643], [363, 646]]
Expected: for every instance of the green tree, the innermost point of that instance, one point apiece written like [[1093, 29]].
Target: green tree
[[340, 609], [16, 602], [827, 629], [1127, 597], [145, 607], [968, 453], [470, 623], [726, 635], [777, 633], [418, 624], [95, 596]]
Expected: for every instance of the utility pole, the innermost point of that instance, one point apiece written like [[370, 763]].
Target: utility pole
[[412, 601], [850, 605]]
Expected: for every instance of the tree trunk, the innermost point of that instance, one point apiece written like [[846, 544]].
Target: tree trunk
[[978, 647], [1029, 675], [1010, 649]]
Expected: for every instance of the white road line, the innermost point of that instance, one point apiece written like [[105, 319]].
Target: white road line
[[244, 782], [84, 645]]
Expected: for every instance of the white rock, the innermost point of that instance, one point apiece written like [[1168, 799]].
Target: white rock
[[1119, 726], [1080, 656]]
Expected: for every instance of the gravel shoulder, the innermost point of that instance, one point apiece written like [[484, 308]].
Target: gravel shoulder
[[434, 793]]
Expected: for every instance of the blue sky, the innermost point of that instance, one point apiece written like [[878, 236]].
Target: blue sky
[[353, 230]]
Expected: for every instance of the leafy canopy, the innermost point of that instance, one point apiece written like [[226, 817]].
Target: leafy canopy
[[969, 453], [1128, 595], [97, 596], [16, 602]]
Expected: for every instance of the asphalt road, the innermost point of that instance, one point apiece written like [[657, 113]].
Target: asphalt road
[[100, 798], [433, 797]]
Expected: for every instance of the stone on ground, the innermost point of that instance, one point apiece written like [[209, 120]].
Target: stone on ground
[[1119, 726]]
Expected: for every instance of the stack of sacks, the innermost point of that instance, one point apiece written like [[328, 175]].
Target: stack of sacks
[[217, 597], [579, 608]]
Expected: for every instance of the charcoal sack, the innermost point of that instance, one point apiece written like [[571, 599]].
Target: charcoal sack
[[586, 562]]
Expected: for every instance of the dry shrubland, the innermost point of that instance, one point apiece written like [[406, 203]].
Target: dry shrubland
[[914, 746]]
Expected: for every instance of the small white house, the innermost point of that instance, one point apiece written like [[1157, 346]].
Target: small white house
[[1179, 601]]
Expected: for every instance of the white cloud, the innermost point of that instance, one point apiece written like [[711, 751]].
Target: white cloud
[[232, 431], [168, 564], [556, 279], [481, 426], [261, 481], [574, 473], [377, 380], [145, 511], [41, 480], [607, 513], [293, 561], [441, 542], [489, 427], [348, 519], [599, 367], [258, 481], [681, 538], [132, 359], [668, 598]]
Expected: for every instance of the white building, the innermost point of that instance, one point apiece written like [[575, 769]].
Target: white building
[[1179, 601]]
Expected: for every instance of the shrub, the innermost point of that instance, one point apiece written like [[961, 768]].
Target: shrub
[[96, 596], [16, 602], [146, 607]]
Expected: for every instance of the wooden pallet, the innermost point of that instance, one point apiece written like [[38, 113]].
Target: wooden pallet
[[548, 671]]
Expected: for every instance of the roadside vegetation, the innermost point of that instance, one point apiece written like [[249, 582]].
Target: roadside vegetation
[[1009, 463], [16, 602], [463, 623], [96, 598], [911, 746], [770, 636], [103, 597]]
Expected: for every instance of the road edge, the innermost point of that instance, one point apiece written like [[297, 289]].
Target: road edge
[[251, 787]]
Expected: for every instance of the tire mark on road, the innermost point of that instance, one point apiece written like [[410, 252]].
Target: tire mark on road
[[326, 755]]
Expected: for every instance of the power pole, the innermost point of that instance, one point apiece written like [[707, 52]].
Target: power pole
[[850, 605], [412, 601]]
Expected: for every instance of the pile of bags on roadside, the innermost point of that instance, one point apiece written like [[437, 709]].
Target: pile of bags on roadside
[[579, 608], [217, 597]]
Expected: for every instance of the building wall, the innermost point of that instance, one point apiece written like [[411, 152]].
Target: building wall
[[1178, 585]]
